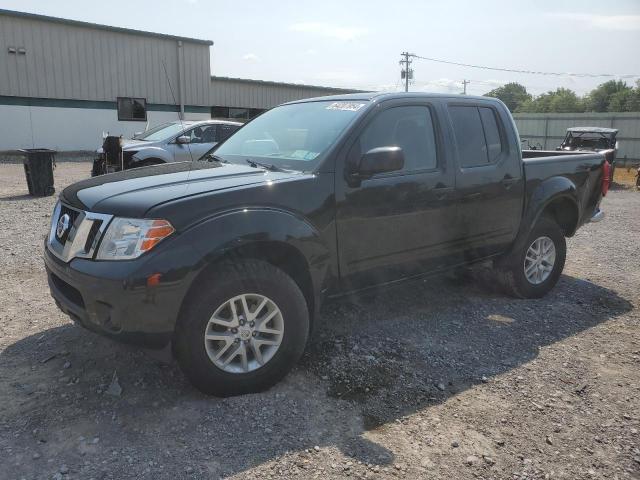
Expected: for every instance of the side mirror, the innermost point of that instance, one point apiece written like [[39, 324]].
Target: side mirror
[[380, 160], [183, 140]]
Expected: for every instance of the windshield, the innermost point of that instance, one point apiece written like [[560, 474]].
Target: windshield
[[292, 136], [161, 132]]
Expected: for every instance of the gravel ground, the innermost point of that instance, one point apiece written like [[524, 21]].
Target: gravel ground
[[430, 380]]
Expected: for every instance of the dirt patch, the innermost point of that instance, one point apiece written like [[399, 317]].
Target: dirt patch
[[434, 379]]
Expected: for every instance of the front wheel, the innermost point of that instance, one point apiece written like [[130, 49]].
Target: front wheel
[[242, 330], [535, 268]]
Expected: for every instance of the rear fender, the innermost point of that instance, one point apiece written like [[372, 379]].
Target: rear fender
[[546, 193]]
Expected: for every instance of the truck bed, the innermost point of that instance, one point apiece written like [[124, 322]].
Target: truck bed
[[583, 169]]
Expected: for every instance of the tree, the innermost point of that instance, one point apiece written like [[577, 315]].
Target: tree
[[512, 94], [564, 100], [561, 100], [599, 98], [627, 100]]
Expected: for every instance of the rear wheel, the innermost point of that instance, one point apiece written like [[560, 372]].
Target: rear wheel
[[242, 330], [535, 269]]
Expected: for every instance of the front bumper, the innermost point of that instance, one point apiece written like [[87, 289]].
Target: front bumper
[[116, 299]]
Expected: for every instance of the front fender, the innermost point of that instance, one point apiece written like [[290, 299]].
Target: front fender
[[218, 235]]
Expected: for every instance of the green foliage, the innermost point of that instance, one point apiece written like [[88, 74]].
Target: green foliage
[[512, 94], [599, 98], [627, 100], [562, 100], [611, 96]]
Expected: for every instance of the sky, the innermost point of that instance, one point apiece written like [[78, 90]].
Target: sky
[[357, 44]]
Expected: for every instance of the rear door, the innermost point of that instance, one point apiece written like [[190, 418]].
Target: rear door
[[397, 223], [489, 177]]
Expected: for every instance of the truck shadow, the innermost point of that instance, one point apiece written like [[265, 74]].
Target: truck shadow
[[372, 360]]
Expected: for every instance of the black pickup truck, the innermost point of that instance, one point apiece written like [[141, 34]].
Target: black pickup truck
[[229, 259]]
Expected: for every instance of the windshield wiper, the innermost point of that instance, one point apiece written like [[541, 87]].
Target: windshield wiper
[[266, 166]]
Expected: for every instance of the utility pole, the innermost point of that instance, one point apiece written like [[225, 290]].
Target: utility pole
[[464, 85], [406, 73]]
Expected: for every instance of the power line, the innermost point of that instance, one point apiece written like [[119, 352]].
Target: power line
[[530, 72]]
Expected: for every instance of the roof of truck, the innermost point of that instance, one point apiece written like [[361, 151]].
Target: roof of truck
[[370, 96]]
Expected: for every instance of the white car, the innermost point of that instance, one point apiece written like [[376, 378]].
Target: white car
[[170, 142]]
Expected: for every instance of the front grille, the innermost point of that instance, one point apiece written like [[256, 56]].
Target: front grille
[[70, 293], [73, 217], [78, 236]]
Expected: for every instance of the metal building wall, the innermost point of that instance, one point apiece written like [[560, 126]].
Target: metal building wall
[[236, 92], [66, 60], [549, 129]]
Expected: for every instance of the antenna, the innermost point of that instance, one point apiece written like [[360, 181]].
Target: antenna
[[164, 66]]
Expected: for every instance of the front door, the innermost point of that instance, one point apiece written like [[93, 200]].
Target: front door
[[394, 224]]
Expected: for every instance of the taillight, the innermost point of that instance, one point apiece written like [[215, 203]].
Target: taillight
[[606, 177]]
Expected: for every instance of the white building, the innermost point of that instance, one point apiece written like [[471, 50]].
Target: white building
[[64, 82]]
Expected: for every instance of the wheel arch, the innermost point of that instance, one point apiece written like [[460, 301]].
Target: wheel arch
[[279, 254], [564, 211], [276, 237], [151, 153], [555, 198]]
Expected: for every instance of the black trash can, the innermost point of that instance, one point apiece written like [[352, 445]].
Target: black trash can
[[38, 168]]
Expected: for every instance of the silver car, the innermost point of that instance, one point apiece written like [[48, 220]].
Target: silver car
[[170, 142]]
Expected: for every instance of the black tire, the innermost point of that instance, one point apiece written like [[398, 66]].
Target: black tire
[[226, 281], [510, 270]]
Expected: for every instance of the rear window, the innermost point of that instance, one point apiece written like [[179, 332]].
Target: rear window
[[477, 135]]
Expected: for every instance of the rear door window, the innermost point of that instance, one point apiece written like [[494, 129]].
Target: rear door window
[[477, 135], [491, 133], [467, 126]]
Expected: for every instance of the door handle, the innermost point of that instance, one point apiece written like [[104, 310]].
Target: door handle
[[508, 181], [442, 192]]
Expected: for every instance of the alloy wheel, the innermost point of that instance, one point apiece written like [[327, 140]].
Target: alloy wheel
[[244, 333]]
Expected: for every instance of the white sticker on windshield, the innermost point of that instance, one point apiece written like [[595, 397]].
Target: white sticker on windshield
[[303, 155], [346, 106]]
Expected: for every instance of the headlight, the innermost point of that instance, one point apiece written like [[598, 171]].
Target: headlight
[[128, 238]]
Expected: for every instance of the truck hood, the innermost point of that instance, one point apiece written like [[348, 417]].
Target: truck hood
[[132, 193]]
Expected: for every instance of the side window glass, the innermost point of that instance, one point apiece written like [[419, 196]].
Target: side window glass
[[491, 133], [225, 131], [195, 134], [208, 134], [410, 128], [469, 133]]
